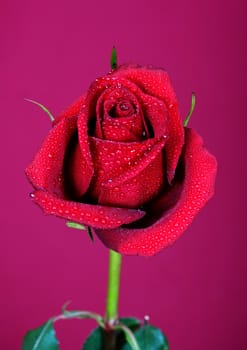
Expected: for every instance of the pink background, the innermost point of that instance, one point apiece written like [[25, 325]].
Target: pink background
[[51, 51]]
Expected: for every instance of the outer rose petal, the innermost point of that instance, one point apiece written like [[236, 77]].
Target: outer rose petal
[[45, 172], [97, 216], [198, 187]]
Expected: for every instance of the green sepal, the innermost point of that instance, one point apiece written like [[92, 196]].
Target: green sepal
[[90, 233], [42, 338], [113, 58], [192, 107], [72, 224], [43, 108], [149, 338]]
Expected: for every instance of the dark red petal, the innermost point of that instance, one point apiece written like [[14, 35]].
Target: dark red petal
[[198, 188], [46, 170], [95, 216], [72, 110], [119, 164]]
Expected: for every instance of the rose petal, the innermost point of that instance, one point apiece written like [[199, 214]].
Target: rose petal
[[95, 216], [125, 130], [140, 187], [152, 81], [118, 164], [156, 113], [83, 121], [46, 170], [137, 164], [198, 188]]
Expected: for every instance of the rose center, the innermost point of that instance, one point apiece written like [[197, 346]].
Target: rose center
[[122, 109]]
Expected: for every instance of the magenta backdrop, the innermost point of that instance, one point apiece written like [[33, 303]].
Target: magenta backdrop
[[51, 51]]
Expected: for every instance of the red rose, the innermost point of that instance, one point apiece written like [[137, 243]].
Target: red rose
[[120, 161]]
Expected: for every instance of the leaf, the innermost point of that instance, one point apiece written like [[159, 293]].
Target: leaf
[[114, 58], [149, 338], [192, 107], [95, 340], [129, 335], [42, 107], [130, 322], [42, 338]]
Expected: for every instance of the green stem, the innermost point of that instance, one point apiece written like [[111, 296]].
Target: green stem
[[113, 287]]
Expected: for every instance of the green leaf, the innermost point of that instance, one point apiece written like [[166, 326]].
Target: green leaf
[[42, 107], [129, 336], [130, 322], [192, 107], [95, 340], [42, 338], [149, 338], [113, 58]]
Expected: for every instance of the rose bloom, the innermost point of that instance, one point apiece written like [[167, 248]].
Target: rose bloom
[[120, 161]]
